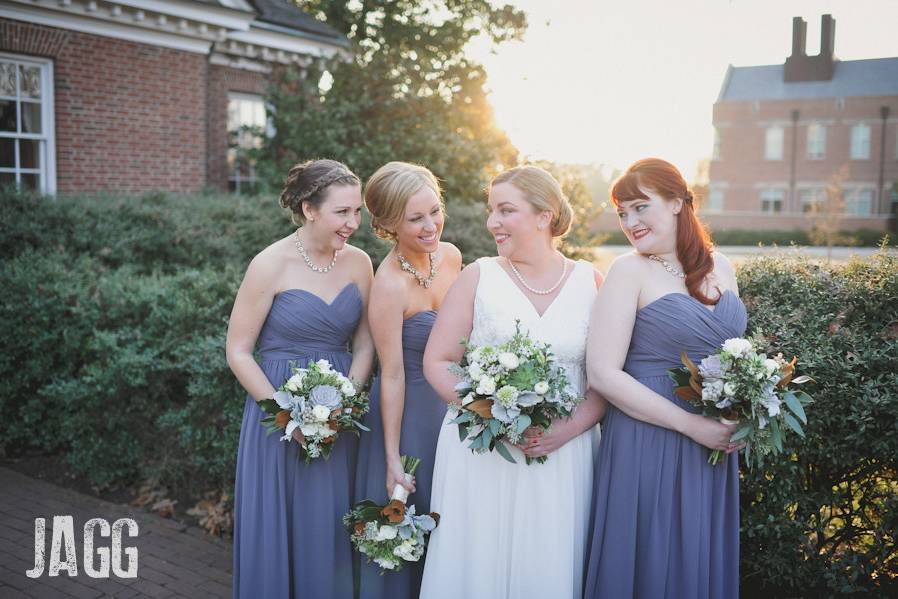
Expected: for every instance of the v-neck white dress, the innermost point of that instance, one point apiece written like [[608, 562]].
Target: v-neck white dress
[[513, 530]]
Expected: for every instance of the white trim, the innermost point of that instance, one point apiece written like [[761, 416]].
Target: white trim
[[219, 16], [281, 41], [241, 63], [106, 29]]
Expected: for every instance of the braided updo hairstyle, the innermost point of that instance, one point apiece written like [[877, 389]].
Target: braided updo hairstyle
[[307, 182]]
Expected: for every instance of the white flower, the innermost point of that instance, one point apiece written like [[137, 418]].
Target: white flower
[[405, 551], [541, 387], [467, 399], [710, 392], [475, 371], [386, 564], [771, 366], [295, 381], [737, 347], [475, 355], [772, 403], [507, 395], [321, 413], [347, 388], [283, 399], [729, 389], [508, 360], [324, 366], [386, 533], [309, 429], [486, 386]]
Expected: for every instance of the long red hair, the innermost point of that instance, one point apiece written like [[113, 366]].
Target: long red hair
[[693, 240]]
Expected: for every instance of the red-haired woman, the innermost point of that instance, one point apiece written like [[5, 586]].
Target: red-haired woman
[[666, 523]]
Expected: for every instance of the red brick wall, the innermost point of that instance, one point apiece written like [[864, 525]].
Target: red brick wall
[[129, 117], [742, 169], [222, 80]]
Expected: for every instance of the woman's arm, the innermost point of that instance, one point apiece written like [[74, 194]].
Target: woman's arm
[[250, 309], [610, 332], [454, 322], [362, 344]]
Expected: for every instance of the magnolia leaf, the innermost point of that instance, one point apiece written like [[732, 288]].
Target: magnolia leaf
[[687, 394], [693, 369], [481, 407], [269, 406], [788, 370], [793, 424], [795, 405], [802, 379], [503, 451]]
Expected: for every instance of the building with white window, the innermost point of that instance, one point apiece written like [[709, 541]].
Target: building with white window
[[811, 136], [139, 95]]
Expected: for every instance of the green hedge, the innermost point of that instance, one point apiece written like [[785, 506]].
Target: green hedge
[[114, 318], [859, 238]]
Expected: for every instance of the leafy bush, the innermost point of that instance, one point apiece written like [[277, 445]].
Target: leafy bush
[[823, 523], [859, 238]]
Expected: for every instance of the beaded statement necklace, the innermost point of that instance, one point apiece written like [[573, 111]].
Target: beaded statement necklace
[[305, 256], [668, 266], [425, 282]]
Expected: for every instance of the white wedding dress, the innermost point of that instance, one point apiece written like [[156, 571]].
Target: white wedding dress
[[512, 530]]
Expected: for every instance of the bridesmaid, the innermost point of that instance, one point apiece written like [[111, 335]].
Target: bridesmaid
[[666, 523], [406, 414], [303, 298]]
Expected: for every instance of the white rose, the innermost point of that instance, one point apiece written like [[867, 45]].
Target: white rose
[[386, 533], [541, 387], [771, 365], [487, 386], [347, 388], [295, 381], [475, 371], [475, 355], [309, 429], [729, 389], [737, 347], [384, 563], [321, 413], [508, 360], [324, 366]]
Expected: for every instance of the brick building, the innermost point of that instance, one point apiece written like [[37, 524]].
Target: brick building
[[809, 139], [137, 95]]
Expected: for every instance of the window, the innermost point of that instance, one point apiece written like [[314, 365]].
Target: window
[[715, 151], [893, 196], [772, 200], [812, 199], [27, 157], [773, 143], [715, 200], [816, 142], [246, 130], [860, 142], [859, 202]]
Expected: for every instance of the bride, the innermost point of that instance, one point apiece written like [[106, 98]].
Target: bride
[[513, 530]]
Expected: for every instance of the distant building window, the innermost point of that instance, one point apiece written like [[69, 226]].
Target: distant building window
[[27, 158], [773, 143], [812, 199], [860, 142], [772, 200], [893, 196], [715, 152], [715, 200], [816, 141], [246, 132], [859, 202]]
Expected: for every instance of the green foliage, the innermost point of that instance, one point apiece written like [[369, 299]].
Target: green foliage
[[823, 522], [859, 238]]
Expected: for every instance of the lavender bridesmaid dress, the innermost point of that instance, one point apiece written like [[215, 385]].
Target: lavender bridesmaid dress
[[421, 420], [666, 523], [289, 541]]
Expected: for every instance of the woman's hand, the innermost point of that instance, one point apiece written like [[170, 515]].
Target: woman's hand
[[537, 443], [712, 434], [396, 476]]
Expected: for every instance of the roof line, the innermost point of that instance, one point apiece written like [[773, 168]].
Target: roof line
[[726, 82], [340, 40]]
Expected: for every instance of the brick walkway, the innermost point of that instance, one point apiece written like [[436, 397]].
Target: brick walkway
[[173, 560]]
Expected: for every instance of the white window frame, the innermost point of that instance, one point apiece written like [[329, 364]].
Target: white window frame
[[766, 198], [234, 176], [818, 198], [716, 199], [715, 149], [47, 171], [860, 141], [851, 201], [816, 141], [773, 147]]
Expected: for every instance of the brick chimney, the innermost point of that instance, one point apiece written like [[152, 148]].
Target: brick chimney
[[801, 67]]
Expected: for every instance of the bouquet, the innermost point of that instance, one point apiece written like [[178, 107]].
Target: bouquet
[[391, 534], [740, 384], [321, 403], [505, 389]]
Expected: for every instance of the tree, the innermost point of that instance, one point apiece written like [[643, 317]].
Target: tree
[[409, 93]]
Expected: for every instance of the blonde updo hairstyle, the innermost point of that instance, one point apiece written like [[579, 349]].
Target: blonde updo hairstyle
[[308, 182], [387, 193], [543, 192]]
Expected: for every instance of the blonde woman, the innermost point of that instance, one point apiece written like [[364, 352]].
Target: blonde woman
[[513, 530], [406, 414]]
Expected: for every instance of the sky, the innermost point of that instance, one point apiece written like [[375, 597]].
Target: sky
[[596, 81]]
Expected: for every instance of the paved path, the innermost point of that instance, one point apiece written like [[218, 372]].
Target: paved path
[[174, 560]]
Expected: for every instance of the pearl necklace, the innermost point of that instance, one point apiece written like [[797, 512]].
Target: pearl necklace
[[539, 291], [668, 266], [407, 267], [305, 256]]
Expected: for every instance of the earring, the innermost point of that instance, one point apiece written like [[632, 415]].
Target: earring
[[540, 227]]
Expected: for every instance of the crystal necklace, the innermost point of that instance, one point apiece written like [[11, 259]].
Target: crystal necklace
[[539, 291], [425, 282], [668, 266], [305, 256]]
